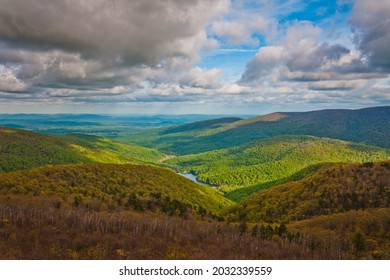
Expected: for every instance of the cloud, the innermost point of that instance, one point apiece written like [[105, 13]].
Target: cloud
[[197, 77], [134, 32], [301, 68], [297, 56], [120, 51], [371, 23], [241, 30], [337, 85], [301, 57], [88, 45], [10, 83]]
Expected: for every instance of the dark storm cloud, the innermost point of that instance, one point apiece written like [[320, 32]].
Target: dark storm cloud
[[143, 31], [371, 23], [94, 44]]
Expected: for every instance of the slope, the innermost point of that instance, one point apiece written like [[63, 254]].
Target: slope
[[113, 186], [338, 189], [20, 149], [100, 149], [369, 125], [163, 138], [364, 234], [272, 159], [243, 193]]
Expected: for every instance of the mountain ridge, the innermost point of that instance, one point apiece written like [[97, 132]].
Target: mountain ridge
[[367, 125]]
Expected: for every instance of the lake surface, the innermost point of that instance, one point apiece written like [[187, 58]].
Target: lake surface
[[192, 177]]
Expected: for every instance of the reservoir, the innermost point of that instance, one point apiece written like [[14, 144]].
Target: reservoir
[[192, 177]]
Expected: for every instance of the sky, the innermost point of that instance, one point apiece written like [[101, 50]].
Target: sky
[[193, 56]]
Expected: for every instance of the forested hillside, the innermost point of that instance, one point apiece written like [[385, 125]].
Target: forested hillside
[[272, 159], [21, 149], [100, 149], [337, 189], [113, 186], [117, 212], [246, 192], [370, 126]]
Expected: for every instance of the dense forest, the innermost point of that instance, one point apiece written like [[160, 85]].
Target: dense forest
[[337, 189], [114, 187], [20, 149], [240, 194], [271, 159]]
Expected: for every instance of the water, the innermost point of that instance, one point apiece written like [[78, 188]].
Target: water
[[192, 177]]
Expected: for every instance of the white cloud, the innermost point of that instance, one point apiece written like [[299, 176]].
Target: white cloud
[[10, 83], [301, 68], [197, 77], [241, 30], [298, 52]]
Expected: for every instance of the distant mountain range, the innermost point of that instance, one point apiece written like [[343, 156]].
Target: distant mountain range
[[369, 126]]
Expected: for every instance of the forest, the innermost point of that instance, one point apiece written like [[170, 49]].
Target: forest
[[21, 149], [78, 221], [271, 159], [313, 185]]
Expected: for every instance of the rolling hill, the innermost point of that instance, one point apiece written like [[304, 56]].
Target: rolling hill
[[272, 159], [21, 149], [243, 193], [337, 189], [370, 126], [112, 186]]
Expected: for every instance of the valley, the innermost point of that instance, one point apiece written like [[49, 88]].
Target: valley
[[308, 185], [271, 159]]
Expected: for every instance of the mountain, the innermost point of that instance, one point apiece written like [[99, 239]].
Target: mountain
[[113, 186], [370, 126], [162, 138], [272, 159], [21, 149], [200, 125], [337, 189]]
